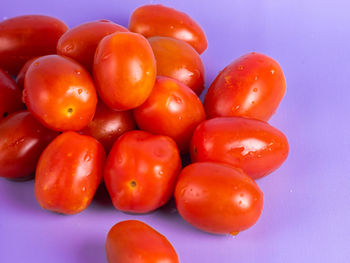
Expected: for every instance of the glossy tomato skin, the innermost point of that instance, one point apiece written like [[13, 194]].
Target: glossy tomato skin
[[80, 42], [25, 37], [173, 110], [251, 86], [60, 93], [124, 70], [68, 173], [159, 20], [23, 139], [141, 171], [133, 241], [218, 198], [178, 60], [254, 146], [107, 125], [10, 95], [22, 73]]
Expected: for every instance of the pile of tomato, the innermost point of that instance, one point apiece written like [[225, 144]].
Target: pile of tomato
[[100, 103]]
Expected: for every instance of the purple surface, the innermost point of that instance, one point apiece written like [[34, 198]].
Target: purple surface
[[306, 215]]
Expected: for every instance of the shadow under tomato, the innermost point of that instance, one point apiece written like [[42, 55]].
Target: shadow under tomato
[[92, 251], [101, 199]]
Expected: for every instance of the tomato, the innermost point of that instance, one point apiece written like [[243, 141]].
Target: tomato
[[251, 86], [158, 20], [25, 37], [141, 171], [80, 42], [22, 139], [107, 125], [22, 73], [173, 110], [218, 198], [60, 93], [69, 172], [176, 59], [253, 145], [133, 241], [124, 70], [10, 95]]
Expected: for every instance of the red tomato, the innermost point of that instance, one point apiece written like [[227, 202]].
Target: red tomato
[[124, 70], [173, 110], [80, 42], [178, 60], [10, 95], [133, 241], [22, 139], [251, 86], [218, 198], [141, 171], [68, 173], [25, 37], [158, 20], [60, 93], [22, 73], [107, 125], [252, 145]]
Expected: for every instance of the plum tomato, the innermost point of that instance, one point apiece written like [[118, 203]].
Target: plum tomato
[[251, 86], [252, 145], [60, 93], [178, 60], [218, 198], [141, 171], [159, 20], [80, 42], [133, 241], [23, 139], [124, 70], [173, 110], [22, 73], [68, 173], [25, 37]]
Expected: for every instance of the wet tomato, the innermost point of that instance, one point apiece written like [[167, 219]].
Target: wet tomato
[[22, 73]]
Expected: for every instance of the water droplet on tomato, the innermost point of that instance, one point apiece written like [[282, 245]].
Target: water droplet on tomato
[[240, 68], [80, 91], [69, 48], [255, 89], [272, 71], [83, 189]]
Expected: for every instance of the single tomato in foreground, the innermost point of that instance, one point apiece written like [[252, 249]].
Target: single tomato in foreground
[[133, 241], [218, 198], [68, 173], [141, 171]]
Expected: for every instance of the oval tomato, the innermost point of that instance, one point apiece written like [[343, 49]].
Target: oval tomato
[[178, 60], [158, 20], [252, 145], [68, 173], [80, 42], [25, 37], [22, 139], [60, 93], [124, 70], [141, 171], [133, 241], [22, 73], [251, 86], [218, 198], [172, 109]]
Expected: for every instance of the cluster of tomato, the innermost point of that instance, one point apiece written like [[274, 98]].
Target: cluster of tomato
[[87, 89]]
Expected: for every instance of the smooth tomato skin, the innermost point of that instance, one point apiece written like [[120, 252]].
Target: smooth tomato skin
[[68, 173], [141, 171], [22, 73], [10, 95], [80, 42], [218, 198], [124, 70], [23, 139], [178, 60], [252, 145], [60, 93], [252, 86], [25, 37], [107, 125], [159, 20], [133, 241], [173, 110]]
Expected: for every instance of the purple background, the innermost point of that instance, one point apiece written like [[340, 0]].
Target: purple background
[[306, 215]]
